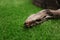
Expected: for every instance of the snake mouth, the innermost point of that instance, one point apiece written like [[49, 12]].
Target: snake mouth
[[29, 24]]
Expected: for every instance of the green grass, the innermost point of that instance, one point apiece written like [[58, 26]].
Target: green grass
[[12, 16]]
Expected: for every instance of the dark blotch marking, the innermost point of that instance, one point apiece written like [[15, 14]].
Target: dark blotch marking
[[48, 12], [38, 20], [44, 16], [33, 21]]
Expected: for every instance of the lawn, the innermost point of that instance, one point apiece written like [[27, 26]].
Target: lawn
[[13, 14]]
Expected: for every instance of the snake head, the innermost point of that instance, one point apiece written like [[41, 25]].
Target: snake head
[[36, 19]]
